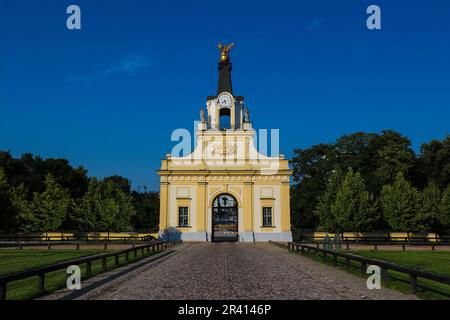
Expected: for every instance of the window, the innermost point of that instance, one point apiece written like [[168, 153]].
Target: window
[[225, 118], [267, 217], [183, 217]]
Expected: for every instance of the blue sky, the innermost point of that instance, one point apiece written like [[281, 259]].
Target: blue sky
[[108, 97]]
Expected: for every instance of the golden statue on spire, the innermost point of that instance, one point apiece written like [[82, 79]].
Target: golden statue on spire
[[225, 51]]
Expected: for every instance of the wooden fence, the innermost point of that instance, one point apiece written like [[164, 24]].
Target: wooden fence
[[367, 238], [42, 271], [413, 274], [73, 237]]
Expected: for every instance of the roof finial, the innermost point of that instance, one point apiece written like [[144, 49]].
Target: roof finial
[[225, 51]]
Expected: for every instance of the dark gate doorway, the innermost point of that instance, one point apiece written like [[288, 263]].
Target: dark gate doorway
[[225, 218]]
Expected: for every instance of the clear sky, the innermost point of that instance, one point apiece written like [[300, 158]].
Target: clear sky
[[108, 96]]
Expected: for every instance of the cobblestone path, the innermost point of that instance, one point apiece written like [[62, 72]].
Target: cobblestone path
[[243, 271]]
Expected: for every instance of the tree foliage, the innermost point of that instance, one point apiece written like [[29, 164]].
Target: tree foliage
[[31, 171], [147, 211], [104, 207], [433, 165], [327, 200], [8, 211], [378, 158], [401, 204], [430, 209], [47, 210], [354, 207], [444, 212], [34, 193]]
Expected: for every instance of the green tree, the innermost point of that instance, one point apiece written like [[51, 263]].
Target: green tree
[[354, 208], [47, 210], [7, 210], [312, 170], [353, 151], [147, 210], [84, 216], [401, 204], [32, 170], [390, 153], [104, 207], [434, 162], [444, 212], [126, 210], [123, 183], [326, 201], [430, 209]]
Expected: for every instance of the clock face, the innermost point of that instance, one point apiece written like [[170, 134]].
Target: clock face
[[224, 100]]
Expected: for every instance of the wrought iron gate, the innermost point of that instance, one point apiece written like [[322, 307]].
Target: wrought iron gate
[[225, 218]]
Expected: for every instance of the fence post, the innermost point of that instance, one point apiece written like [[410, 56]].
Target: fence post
[[363, 267], [88, 269], [403, 247], [385, 274], [41, 282], [135, 253], [49, 246], [347, 245], [104, 264], [375, 246], [2, 291], [127, 256], [78, 246], [347, 263], [413, 281], [432, 247], [148, 249], [116, 260], [105, 246]]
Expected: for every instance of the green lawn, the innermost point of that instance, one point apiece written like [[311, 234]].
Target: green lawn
[[433, 261], [19, 260]]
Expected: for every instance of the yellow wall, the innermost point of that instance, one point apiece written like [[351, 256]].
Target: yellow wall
[[320, 235], [91, 236]]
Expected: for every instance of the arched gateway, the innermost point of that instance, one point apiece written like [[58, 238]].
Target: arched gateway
[[224, 218]]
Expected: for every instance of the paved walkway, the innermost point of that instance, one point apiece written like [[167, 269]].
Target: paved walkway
[[242, 271]]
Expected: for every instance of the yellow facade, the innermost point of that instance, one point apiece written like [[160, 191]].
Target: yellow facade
[[225, 163]]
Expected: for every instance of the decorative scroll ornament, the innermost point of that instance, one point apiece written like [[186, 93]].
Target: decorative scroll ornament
[[224, 149]]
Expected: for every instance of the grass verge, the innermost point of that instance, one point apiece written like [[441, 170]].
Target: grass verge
[[433, 261], [20, 260]]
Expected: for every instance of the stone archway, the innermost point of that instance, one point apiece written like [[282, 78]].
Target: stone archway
[[225, 218]]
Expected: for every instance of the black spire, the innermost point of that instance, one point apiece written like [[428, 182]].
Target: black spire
[[224, 69], [224, 78]]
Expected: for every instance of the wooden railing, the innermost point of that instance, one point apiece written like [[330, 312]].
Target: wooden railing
[[85, 238], [347, 244], [413, 274], [42, 271], [379, 239]]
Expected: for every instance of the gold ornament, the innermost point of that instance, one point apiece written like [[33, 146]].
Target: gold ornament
[[225, 51]]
